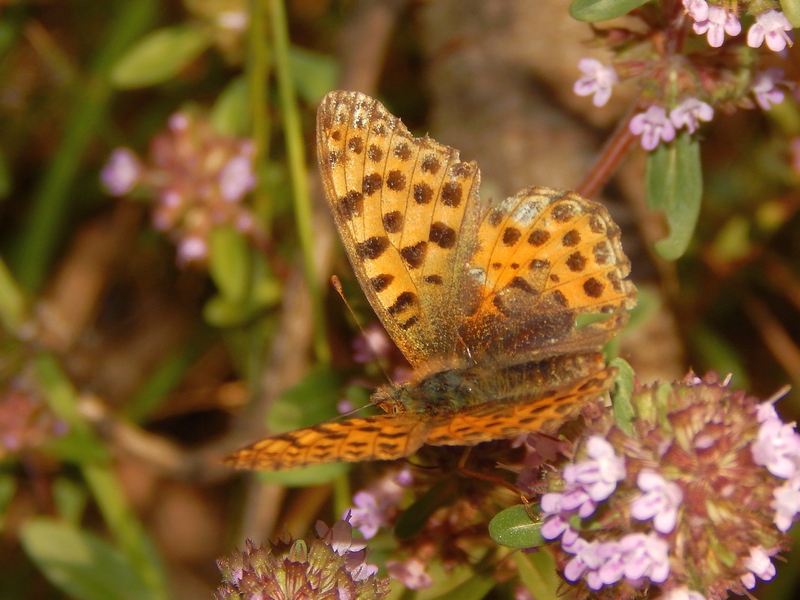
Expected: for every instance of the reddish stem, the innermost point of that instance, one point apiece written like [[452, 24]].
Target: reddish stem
[[609, 159]]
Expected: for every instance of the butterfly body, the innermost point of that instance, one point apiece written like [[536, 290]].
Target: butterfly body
[[481, 300]]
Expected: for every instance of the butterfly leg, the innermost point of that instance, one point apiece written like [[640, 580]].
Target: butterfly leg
[[462, 468]]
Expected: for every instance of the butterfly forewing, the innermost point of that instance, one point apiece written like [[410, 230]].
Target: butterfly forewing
[[407, 211]]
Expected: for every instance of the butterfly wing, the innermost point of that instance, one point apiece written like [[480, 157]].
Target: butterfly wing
[[383, 437], [546, 257], [541, 412], [407, 211]]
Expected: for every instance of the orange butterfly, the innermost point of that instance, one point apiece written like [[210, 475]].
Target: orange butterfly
[[482, 302]]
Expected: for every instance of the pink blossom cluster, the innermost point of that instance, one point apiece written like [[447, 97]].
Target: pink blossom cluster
[[198, 178], [654, 125], [715, 21], [636, 556], [777, 448]]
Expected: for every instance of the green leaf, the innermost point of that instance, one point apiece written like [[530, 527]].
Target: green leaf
[[78, 447], [230, 263], [648, 303], [602, 10], [413, 519], [231, 112], [514, 528], [79, 563], [675, 185], [474, 588], [314, 74], [5, 177], [70, 500], [311, 401], [306, 476], [8, 487], [791, 8], [159, 56], [624, 413], [537, 571]]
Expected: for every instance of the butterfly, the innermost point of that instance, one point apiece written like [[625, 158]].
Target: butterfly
[[481, 299]]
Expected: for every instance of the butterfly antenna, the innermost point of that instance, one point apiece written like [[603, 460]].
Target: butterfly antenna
[[337, 285]]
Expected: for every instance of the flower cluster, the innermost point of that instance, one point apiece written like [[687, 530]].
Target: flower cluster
[[681, 92], [329, 568], [692, 497], [715, 21], [198, 178]]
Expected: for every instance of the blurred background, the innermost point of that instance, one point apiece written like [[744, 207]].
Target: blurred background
[[155, 315]]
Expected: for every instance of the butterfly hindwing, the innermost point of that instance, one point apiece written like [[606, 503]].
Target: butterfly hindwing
[[539, 413], [546, 257], [383, 437]]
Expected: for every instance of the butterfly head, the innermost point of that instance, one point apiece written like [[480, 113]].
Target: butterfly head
[[391, 399]]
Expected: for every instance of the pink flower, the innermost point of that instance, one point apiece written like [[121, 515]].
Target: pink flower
[[654, 126], [786, 503], [777, 447], [340, 537], [599, 476], [696, 9], [645, 556], [236, 178], [375, 506], [764, 88], [411, 573], [192, 249], [634, 557], [689, 113], [553, 527], [613, 567], [759, 565], [659, 502], [122, 172], [586, 557], [718, 23], [772, 26], [371, 344], [597, 79], [579, 499], [766, 411]]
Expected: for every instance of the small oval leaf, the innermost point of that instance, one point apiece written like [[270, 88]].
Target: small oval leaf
[[791, 8], [314, 74], [602, 10], [674, 183], [159, 56], [537, 571], [230, 263], [231, 112], [514, 528], [624, 414]]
